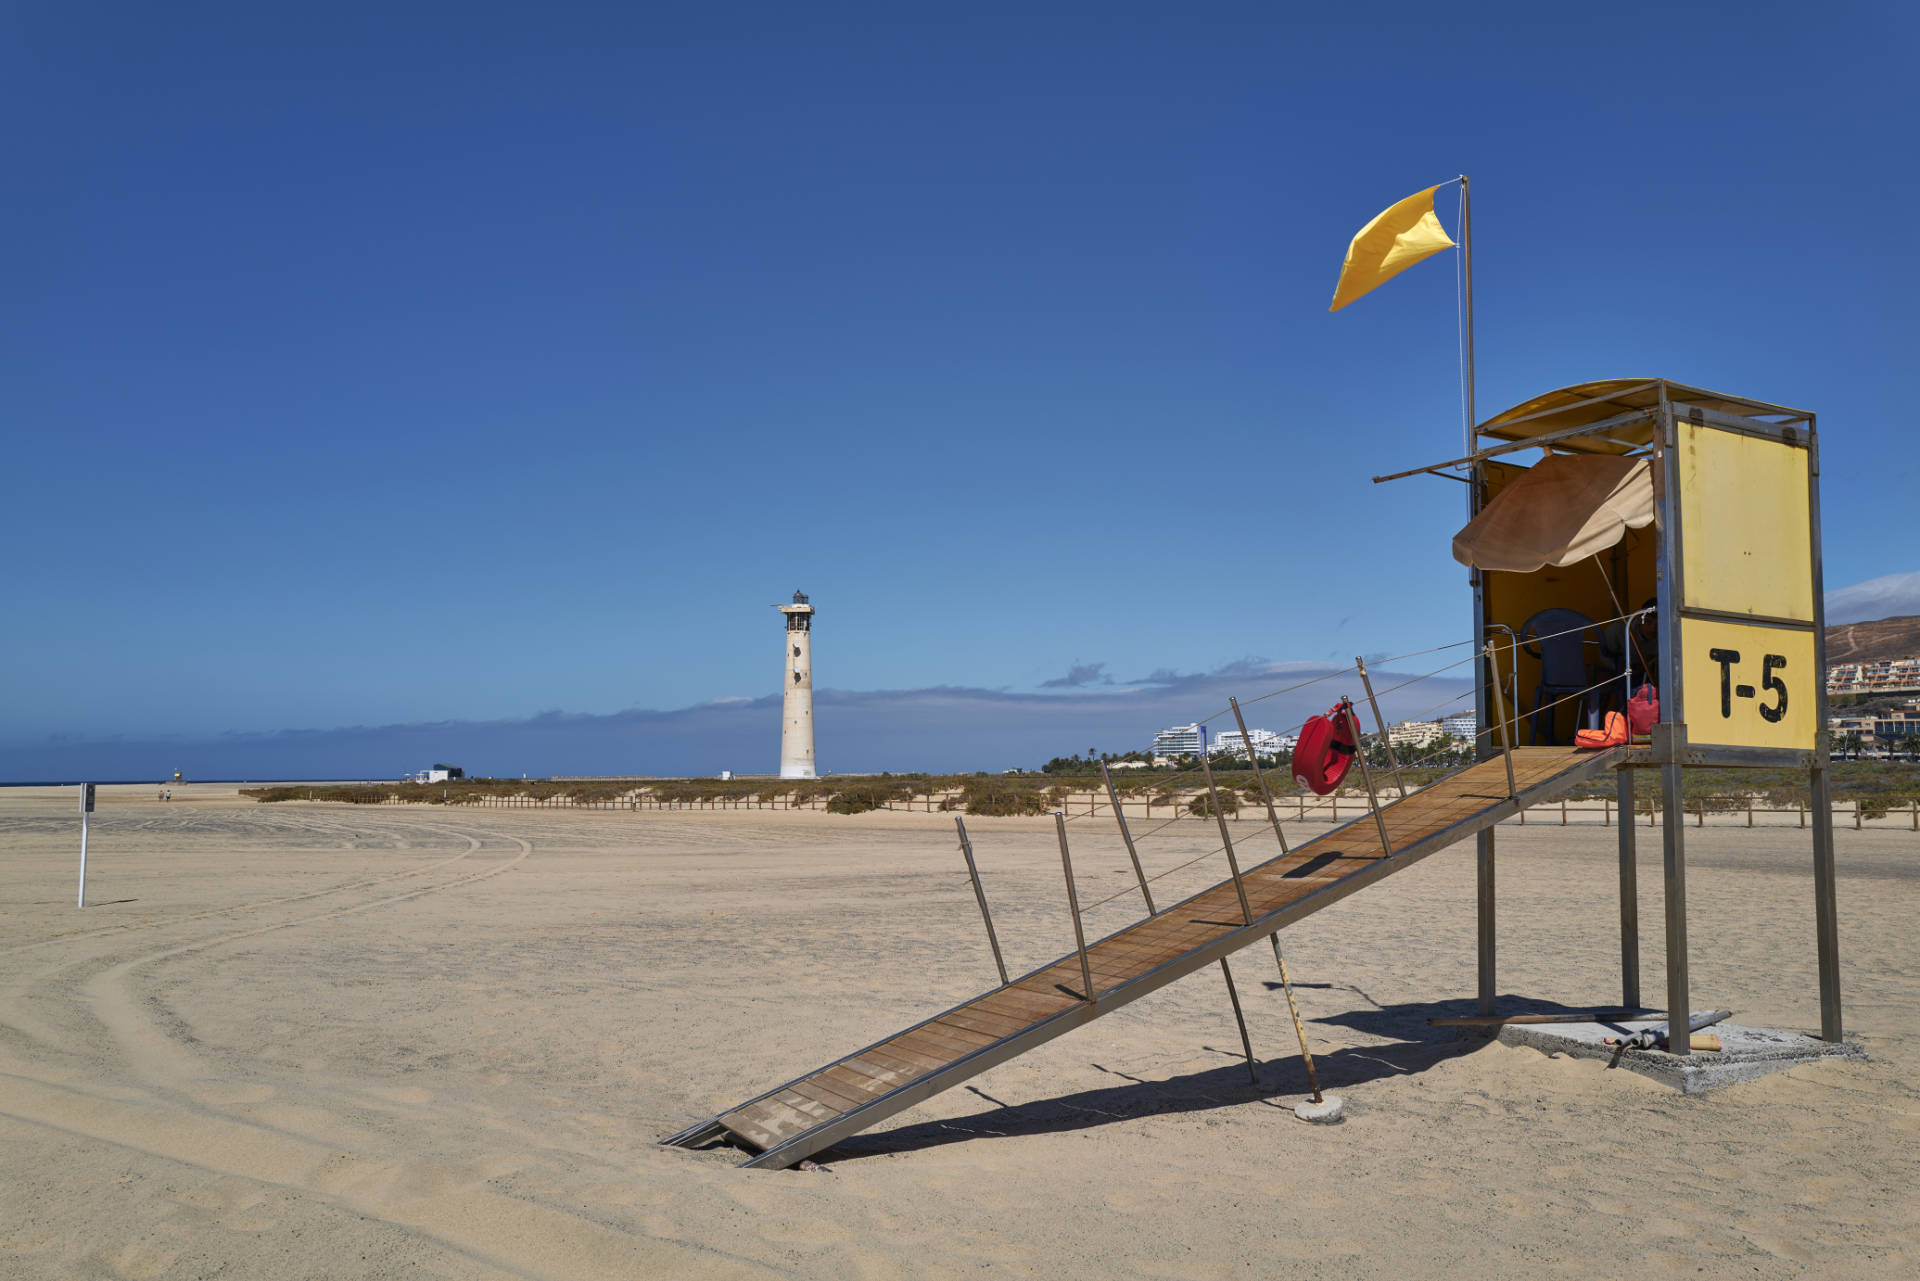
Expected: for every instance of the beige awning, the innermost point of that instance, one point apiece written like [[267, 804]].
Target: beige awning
[[1565, 508]]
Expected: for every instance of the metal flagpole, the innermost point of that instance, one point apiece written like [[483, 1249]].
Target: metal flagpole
[[1466, 297], [1484, 855]]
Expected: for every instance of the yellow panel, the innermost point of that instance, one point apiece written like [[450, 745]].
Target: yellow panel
[[1746, 537], [1748, 686]]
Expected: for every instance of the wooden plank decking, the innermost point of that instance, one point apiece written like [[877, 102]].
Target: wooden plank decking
[[858, 1091]]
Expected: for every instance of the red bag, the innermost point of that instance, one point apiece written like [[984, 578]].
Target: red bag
[[1614, 735], [1324, 753], [1643, 709]]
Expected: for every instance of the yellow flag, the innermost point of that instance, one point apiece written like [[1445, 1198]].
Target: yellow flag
[[1404, 234]]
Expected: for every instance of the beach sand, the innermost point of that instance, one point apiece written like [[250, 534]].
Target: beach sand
[[331, 1041]]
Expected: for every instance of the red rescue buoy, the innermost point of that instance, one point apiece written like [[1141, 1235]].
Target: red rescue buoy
[[1324, 753]]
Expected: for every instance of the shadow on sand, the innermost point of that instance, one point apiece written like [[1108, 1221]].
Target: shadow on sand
[[1408, 1046]]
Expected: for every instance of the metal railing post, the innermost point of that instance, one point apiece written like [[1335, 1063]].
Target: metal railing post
[[1500, 709], [1381, 724], [1073, 902], [1220, 816], [980, 897], [1254, 761], [1127, 836], [1366, 776]]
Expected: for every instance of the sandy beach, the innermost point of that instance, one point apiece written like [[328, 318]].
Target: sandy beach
[[329, 1041]]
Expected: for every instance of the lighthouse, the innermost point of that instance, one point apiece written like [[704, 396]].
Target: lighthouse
[[796, 714]]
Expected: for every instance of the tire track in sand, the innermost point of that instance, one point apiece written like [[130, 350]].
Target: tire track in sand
[[165, 1060], [18, 1019], [473, 844], [450, 1206]]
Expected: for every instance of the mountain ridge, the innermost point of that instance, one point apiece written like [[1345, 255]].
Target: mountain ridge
[[1874, 641]]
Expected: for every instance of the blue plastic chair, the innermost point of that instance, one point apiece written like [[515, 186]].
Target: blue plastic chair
[[1559, 639]]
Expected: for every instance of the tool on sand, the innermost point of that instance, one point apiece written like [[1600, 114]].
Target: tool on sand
[[1576, 1016], [1650, 1038]]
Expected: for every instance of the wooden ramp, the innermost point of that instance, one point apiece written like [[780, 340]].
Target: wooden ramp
[[855, 1093]]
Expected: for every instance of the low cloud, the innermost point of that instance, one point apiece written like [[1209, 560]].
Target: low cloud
[[1894, 596], [1078, 675], [934, 728]]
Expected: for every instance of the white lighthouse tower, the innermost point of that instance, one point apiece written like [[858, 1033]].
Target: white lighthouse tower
[[796, 716]]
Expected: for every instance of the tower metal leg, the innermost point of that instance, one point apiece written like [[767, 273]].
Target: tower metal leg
[[1484, 886], [1629, 897], [1825, 910], [1673, 828]]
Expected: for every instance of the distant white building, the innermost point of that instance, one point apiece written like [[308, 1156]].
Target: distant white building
[[438, 774], [1180, 740], [1265, 743], [1413, 733], [1462, 726], [1888, 676]]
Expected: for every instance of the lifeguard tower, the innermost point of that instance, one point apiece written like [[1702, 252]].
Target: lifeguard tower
[[1665, 536], [1689, 521]]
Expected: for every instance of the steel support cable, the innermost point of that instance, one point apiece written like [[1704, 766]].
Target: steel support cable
[[1586, 626], [1420, 653], [1218, 849], [1135, 888], [1143, 837], [1514, 644], [1355, 667], [1285, 689], [1549, 707]]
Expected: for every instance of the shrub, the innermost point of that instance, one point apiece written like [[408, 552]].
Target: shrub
[[1008, 804], [871, 795], [1202, 805]]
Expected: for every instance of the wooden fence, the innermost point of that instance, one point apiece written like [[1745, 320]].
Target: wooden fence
[[1724, 811]]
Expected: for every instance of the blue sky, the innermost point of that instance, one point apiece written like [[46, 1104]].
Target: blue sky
[[417, 365]]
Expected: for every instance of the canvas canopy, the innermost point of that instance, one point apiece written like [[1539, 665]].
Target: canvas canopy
[[1565, 508], [1597, 401]]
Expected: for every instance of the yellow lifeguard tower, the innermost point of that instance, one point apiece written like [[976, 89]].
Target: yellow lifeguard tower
[[1689, 521], [1666, 536]]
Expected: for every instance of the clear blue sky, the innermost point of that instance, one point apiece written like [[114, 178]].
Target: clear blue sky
[[375, 365]]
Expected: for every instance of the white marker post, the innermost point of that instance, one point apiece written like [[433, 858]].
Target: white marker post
[[86, 808]]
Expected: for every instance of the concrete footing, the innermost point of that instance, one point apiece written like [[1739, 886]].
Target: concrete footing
[[1745, 1053], [1327, 1111]]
